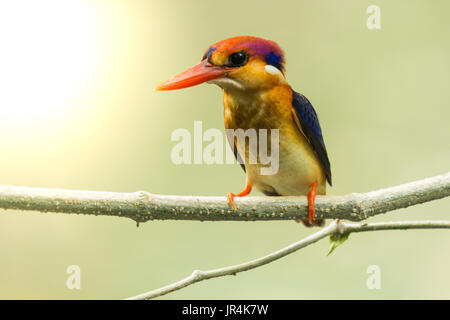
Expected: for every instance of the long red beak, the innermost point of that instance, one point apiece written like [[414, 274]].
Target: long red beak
[[197, 74]]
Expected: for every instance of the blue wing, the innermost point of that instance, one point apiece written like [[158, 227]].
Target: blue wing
[[236, 154], [305, 116]]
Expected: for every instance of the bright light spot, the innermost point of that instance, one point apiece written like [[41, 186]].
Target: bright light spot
[[47, 49]]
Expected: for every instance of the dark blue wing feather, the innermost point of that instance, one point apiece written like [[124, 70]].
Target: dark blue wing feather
[[232, 143], [310, 126]]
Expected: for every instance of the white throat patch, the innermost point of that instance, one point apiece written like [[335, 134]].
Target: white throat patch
[[227, 83]]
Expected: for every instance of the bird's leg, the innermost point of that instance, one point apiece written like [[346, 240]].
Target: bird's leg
[[243, 193], [311, 199]]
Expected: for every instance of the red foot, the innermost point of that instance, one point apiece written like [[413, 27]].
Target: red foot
[[311, 199], [243, 193]]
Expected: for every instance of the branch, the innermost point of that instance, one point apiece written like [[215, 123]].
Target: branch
[[143, 206], [335, 227]]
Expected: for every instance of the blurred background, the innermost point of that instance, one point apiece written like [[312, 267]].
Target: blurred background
[[78, 111]]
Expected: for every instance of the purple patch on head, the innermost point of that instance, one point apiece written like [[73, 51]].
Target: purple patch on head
[[269, 51], [266, 50]]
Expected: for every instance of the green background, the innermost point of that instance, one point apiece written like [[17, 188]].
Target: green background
[[382, 97]]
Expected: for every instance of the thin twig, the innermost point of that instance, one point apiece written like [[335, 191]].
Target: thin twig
[[335, 227], [143, 206]]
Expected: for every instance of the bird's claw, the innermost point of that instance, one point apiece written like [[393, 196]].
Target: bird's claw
[[311, 214], [230, 197], [243, 193], [311, 200]]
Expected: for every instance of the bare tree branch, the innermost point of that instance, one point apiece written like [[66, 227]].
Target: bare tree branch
[[143, 206], [335, 227]]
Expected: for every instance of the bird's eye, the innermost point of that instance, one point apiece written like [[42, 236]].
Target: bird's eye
[[237, 59]]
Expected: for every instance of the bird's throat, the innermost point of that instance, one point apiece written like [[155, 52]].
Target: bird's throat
[[244, 110]]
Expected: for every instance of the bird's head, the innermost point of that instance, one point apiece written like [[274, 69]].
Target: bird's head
[[236, 64]]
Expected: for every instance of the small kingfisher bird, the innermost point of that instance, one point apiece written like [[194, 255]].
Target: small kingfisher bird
[[251, 73]]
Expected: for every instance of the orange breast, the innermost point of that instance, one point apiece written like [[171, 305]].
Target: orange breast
[[258, 110]]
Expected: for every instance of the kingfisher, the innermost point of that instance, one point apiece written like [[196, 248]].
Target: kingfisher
[[251, 72]]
